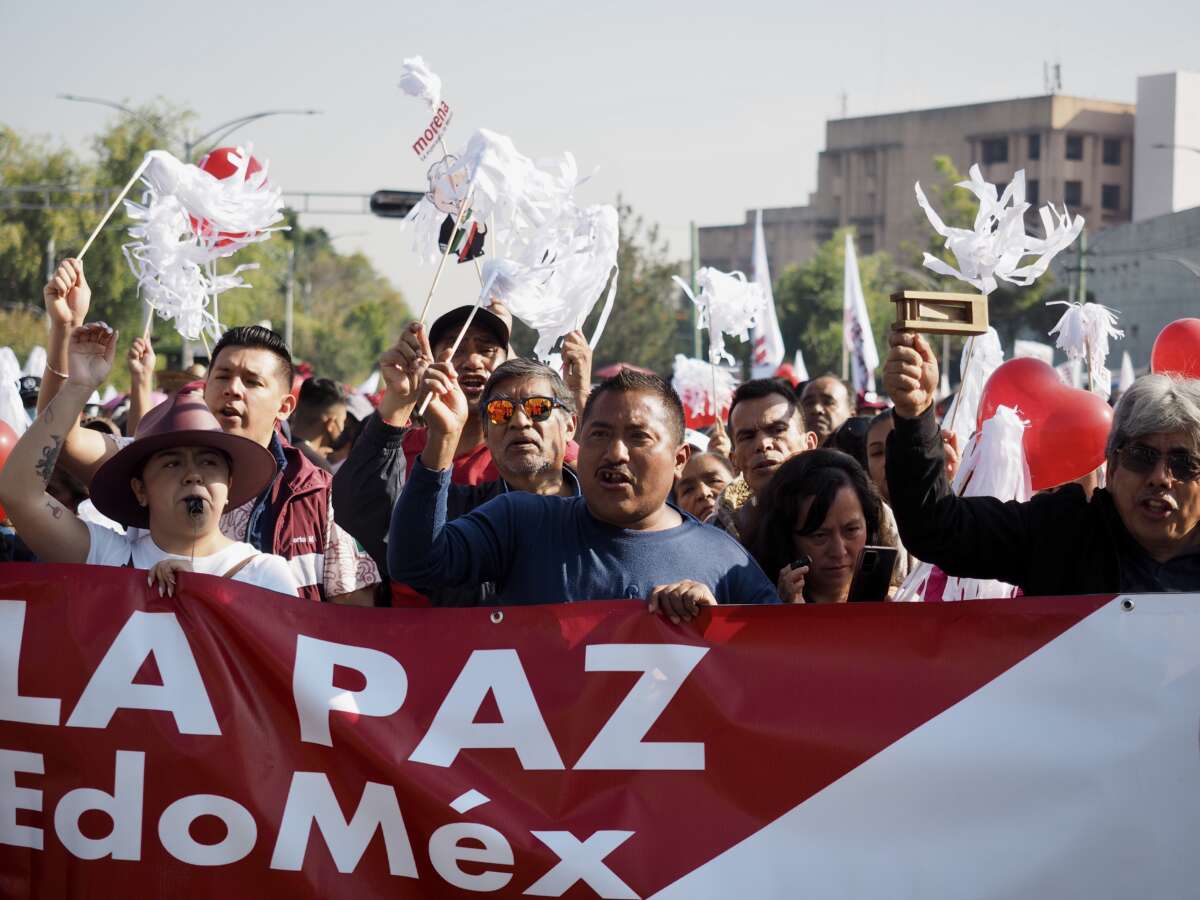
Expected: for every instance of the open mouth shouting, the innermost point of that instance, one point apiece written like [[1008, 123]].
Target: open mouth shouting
[[1158, 506], [617, 480], [472, 385], [231, 417]]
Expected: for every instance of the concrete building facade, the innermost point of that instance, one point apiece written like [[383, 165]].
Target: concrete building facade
[[1149, 271], [1167, 144], [1074, 151]]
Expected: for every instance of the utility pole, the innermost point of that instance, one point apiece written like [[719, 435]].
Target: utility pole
[[695, 239], [291, 296]]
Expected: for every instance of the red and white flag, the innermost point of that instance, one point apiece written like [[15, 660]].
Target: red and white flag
[[768, 339], [856, 326]]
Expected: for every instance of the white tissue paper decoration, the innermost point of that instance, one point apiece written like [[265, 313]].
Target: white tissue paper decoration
[[993, 465], [241, 206], [985, 355], [1083, 334], [12, 410], [187, 220], [417, 81], [693, 382], [997, 244], [728, 304], [35, 364]]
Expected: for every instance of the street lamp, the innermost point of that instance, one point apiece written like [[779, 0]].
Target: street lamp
[[225, 129], [1175, 147]]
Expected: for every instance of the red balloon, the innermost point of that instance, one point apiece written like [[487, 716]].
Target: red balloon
[[1177, 349], [218, 164], [8, 439], [1068, 427], [702, 418]]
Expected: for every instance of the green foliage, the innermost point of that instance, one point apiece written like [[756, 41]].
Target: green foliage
[[345, 312], [809, 299]]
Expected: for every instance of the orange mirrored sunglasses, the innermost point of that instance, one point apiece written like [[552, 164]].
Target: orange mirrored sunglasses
[[500, 411]]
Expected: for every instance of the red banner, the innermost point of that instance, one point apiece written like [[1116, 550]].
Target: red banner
[[232, 742]]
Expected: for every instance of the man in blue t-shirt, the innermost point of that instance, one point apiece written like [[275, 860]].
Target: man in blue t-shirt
[[621, 538]]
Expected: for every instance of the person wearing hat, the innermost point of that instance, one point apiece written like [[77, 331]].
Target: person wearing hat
[[172, 483]]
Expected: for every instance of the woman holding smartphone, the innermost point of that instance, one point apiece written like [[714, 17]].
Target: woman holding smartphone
[[816, 515]]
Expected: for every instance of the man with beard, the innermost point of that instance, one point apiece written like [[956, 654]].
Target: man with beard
[[767, 429], [827, 403], [621, 538], [528, 418]]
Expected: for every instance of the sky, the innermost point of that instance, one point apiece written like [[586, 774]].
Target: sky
[[689, 111]]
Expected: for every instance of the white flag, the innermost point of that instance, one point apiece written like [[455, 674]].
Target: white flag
[[1125, 381], [768, 340], [856, 326], [799, 369]]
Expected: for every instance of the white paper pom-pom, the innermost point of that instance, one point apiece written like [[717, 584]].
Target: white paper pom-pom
[[1083, 334], [996, 245], [728, 305], [693, 382], [416, 80]]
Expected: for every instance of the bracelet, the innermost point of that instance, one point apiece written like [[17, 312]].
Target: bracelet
[[63, 375]]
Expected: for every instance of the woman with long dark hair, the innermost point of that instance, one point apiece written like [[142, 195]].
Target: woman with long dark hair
[[820, 504]]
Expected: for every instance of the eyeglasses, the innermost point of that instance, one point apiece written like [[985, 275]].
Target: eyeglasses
[[1140, 459], [538, 409]]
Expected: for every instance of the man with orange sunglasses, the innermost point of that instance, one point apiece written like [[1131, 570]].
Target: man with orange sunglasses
[[528, 419]]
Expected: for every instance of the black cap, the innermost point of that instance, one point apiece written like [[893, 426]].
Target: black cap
[[29, 385], [448, 325]]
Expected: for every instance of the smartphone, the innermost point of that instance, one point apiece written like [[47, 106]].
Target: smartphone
[[801, 562], [873, 574]]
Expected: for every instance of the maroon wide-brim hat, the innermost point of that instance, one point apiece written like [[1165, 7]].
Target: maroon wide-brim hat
[[182, 420]]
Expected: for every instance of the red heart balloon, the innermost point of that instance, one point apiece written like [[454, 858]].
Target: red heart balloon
[[1177, 349], [218, 164], [8, 439], [1068, 427]]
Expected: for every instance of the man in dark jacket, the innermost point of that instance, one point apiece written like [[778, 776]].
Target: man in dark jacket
[[528, 451], [1140, 534]]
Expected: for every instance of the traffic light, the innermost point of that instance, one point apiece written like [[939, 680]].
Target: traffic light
[[394, 204]]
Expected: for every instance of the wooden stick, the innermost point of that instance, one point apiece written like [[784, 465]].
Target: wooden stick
[[149, 323], [462, 214], [966, 369], [121, 196], [454, 348]]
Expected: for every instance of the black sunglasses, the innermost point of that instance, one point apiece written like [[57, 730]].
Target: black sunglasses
[[1140, 459], [500, 410]]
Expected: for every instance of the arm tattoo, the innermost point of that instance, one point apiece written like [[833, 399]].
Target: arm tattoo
[[45, 466], [56, 508]]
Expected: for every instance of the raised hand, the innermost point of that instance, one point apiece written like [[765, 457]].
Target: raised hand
[[403, 366], [447, 413], [141, 360], [718, 441], [791, 583], [90, 354], [910, 373], [577, 366], [67, 295]]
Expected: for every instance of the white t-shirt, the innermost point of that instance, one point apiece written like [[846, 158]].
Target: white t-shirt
[[266, 570]]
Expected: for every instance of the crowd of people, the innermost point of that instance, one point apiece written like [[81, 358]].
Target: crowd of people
[[482, 477]]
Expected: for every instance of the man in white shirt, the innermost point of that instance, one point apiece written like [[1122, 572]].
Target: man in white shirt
[[174, 481]]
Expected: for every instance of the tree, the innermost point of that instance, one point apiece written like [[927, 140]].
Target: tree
[[345, 311], [809, 300]]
